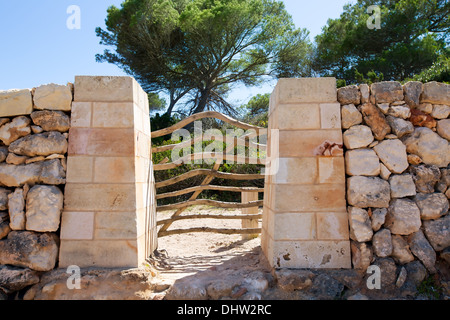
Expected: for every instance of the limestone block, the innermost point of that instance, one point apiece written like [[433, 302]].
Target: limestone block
[[17, 128], [425, 177], [360, 225], [403, 217], [438, 232], [42, 144], [53, 97], [362, 162], [349, 95], [77, 225], [382, 243], [16, 208], [306, 90], [15, 102], [297, 171], [298, 116], [37, 251], [435, 93], [400, 250], [330, 115], [427, 144], [44, 207], [365, 192], [332, 226], [358, 136], [387, 91], [310, 143], [431, 205], [399, 126], [51, 120], [376, 120], [45, 172], [350, 116], [81, 115], [422, 249], [412, 91], [443, 128], [113, 115], [115, 225], [393, 155], [331, 170], [440, 111], [402, 186], [295, 226], [364, 89]]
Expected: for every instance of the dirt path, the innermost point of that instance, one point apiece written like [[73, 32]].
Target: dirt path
[[187, 254]]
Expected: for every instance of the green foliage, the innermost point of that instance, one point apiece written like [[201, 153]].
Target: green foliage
[[413, 34], [439, 71], [372, 77], [256, 110], [198, 49], [160, 122], [430, 288]]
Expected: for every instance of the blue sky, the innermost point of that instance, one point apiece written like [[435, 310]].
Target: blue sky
[[38, 48]]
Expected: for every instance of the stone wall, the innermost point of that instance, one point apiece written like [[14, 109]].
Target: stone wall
[[397, 154], [34, 127]]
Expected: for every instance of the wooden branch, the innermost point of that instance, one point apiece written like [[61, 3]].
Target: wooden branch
[[194, 196], [241, 141], [208, 155], [207, 229], [220, 204], [212, 216], [211, 173], [208, 187], [202, 115]]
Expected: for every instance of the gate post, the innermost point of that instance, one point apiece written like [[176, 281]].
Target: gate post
[[247, 196], [305, 222], [109, 217]]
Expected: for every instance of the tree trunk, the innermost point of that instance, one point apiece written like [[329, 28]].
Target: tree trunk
[[203, 100]]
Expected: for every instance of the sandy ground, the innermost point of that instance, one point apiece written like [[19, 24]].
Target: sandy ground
[[189, 253]]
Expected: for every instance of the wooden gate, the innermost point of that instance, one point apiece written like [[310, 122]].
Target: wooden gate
[[249, 194]]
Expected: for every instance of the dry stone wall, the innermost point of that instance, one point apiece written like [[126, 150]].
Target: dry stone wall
[[34, 127], [397, 155]]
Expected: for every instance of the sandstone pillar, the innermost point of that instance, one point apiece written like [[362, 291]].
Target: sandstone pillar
[[305, 222], [109, 217]]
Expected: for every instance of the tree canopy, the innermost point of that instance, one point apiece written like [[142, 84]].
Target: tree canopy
[[413, 36], [196, 50]]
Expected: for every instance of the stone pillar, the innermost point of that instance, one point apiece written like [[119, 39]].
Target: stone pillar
[[109, 217], [305, 222]]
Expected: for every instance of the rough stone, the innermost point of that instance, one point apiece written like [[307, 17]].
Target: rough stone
[[401, 111], [34, 159], [4, 229], [425, 107], [384, 107], [399, 126], [443, 128], [401, 277], [435, 93], [96, 284], [51, 120], [325, 287], [42, 144], [44, 207], [53, 97], [378, 218], [438, 232], [402, 186], [364, 90], [4, 198], [421, 119], [412, 91], [16, 205], [17, 128], [416, 272], [358, 136], [45, 172], [362, 162], [431, 205], [376, 120], [425, 177], [429, 146], [37, 251], [384, 172], [292, 280], [440, 111], [15, 102], [3, 153], [400, 250], [393, 155], [445, 254], [360, 224], [403, 217], [382, 243], [362, 255], [350, 116], [423, 250], [365, 192], [387, 91], [349, 95], [36, 129], [388, 271], [414, 159], [14, 279], [13, 158]]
